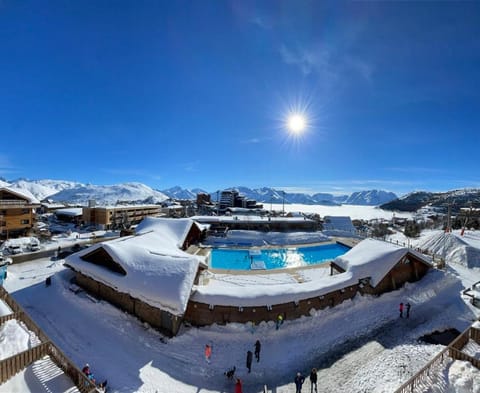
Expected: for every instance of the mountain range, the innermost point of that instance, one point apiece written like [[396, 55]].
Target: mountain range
[[80, 193], [456, 199]]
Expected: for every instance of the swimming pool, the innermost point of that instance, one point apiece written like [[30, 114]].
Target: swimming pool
[[280, 258]]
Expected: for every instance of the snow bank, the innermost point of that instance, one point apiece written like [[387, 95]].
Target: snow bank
[[464, 378], [14, 338], [454, 249]]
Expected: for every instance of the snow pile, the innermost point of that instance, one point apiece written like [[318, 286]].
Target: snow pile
[[258, 238], [453, 248], [14, 338], [464, 377]]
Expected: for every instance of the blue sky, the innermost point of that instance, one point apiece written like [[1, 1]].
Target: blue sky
[[197, 93]]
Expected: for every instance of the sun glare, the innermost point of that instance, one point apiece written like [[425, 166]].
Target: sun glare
[[296, 123]]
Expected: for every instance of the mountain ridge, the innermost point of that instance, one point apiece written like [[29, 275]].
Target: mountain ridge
[[135, 192]]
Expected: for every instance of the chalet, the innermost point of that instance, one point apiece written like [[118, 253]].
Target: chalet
[[148, 274], [17, 212]]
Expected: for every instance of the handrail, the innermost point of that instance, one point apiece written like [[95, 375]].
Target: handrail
[[409, 386]]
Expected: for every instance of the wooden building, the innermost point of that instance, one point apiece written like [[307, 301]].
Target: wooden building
[[117, 217], [147, 275], [372, 267], [17, 212]]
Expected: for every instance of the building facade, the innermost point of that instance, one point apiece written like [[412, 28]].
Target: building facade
[[117, 217], [17, 213]]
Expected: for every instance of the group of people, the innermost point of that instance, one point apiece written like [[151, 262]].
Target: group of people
[[406, 308], [101, 386], [300, 379]]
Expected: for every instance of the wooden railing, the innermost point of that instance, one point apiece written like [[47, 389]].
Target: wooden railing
[[423, 379], [16, 363]]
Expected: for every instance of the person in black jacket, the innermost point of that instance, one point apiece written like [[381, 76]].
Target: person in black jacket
[[299, 380], [249, 360], [313, 380], [258, 346]]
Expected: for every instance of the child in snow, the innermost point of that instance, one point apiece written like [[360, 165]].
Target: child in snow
[[208, 353], [279, 321], [408, 309], [238, 386], [401, 310]]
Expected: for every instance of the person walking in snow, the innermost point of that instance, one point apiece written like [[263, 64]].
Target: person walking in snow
[[208, 353], [279, 321], [313, 380], [249, 360], [238, 386], [401, 310], [407, 306], [258, 346], [299, 380]]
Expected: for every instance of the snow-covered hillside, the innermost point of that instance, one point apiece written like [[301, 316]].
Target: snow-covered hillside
[[106, 195], [370, 198], [42, 189]]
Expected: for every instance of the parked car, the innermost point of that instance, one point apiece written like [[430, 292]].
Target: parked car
[[15, 249], [34, 247]]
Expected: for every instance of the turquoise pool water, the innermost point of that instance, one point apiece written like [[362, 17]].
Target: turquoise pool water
[[280, 258]]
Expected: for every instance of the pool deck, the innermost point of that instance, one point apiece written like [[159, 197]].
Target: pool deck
[[294, 272]]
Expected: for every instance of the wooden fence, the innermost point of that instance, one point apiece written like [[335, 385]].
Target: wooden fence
[[424, 378], [16, 363]]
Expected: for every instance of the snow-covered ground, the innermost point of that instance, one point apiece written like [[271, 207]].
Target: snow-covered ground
[[354, 211], [358, 346]]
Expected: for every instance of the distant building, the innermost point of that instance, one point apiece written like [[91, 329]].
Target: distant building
[[203, 199], [72, 214], [338, 226], [117, 217], [232, 198], [17, 212]]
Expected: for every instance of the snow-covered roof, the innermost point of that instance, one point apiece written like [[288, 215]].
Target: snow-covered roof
[[373, 258], [370, 258], [22, 193], [72, 211], [338, 223], [173, 231], [157, 271], [248, 218]]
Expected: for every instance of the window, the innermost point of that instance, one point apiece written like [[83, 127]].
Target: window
[[25, 222], [25, 211]]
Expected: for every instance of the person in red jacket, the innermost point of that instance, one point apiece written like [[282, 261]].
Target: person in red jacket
[[238, 386], [400, 308]]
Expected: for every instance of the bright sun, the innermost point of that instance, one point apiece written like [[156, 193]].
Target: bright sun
[[296, 123]]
